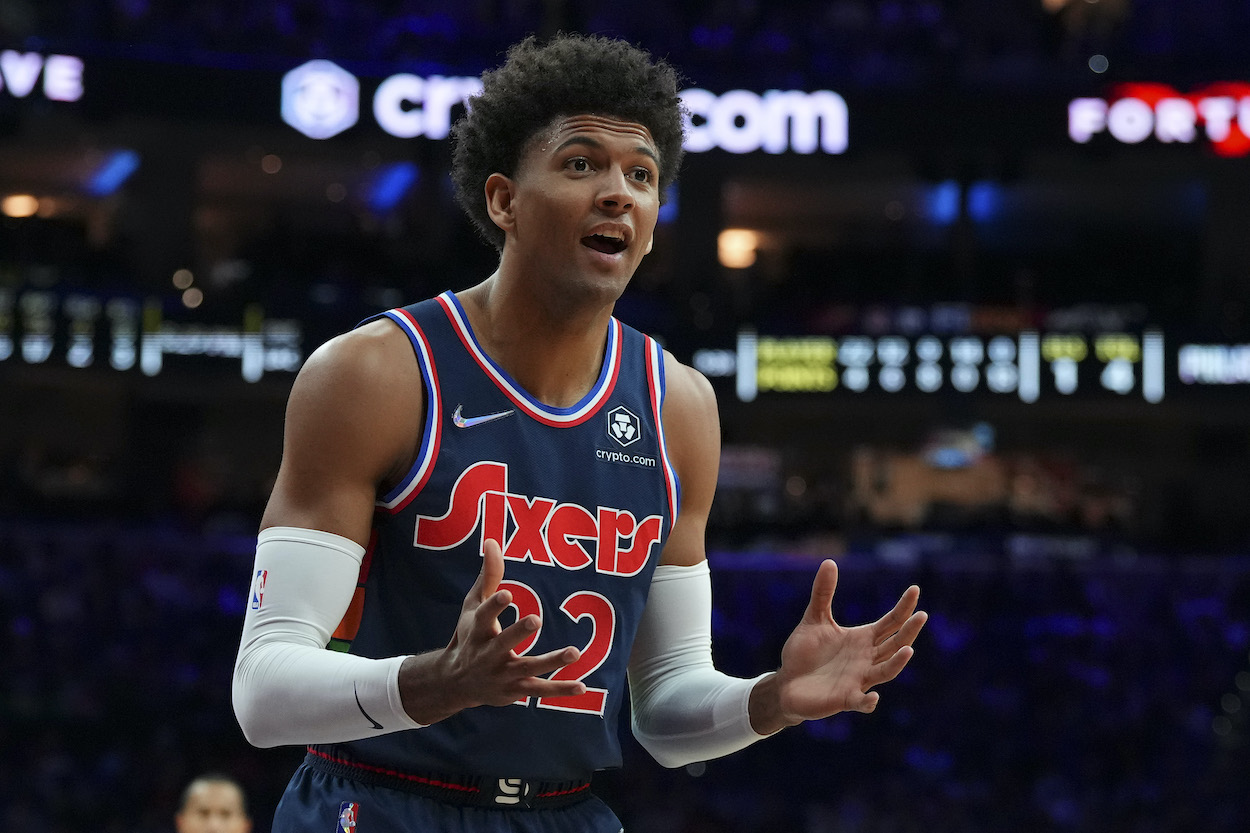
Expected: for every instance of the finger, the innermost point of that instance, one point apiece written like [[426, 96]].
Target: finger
[[867, 703], [518, 632], [544, 664], [492, 568], [537, 686], [488, 577], [906, 636], [884, 627], [885, 671], [820, 607], [486, 614]]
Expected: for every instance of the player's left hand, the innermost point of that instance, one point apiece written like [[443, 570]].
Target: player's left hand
[[827, 668]]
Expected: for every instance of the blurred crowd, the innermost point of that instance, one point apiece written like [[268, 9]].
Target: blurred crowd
[[1045, 694], [894, 42]]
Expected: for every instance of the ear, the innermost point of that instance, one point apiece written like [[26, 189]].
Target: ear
[[499, 192]]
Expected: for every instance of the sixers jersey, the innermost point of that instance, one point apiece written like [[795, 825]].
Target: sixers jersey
[[581, 499]]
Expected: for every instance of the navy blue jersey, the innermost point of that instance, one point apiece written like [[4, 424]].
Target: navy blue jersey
[[581, 499]]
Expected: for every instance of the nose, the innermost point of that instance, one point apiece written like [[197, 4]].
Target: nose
[[614, 196]]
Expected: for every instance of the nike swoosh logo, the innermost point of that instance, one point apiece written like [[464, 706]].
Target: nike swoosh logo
[[376, 724], [469, 422]]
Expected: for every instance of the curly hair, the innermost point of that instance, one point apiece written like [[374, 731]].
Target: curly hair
[[570, 75]]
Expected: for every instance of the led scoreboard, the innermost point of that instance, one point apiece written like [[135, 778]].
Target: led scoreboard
[[123, 333], [1026, 365]]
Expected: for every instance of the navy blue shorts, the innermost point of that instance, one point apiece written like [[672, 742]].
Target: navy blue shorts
[[320, 802]]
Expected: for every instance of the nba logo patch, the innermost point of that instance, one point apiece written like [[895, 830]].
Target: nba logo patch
[[258, 589], [348, 811]]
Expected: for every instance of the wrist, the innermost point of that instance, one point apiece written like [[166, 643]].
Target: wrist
[[424, 691], [764, 707]]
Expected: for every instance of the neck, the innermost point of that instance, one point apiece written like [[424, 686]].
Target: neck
[[552, 347]]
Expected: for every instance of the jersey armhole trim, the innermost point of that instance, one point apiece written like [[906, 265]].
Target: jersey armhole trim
[[657, 386], [408, 488]]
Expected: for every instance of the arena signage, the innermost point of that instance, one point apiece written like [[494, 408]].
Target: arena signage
[[1214, 364], [20, 74], [321, 99], [1220, 113]]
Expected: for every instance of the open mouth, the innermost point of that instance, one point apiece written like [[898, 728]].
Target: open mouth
[[605, 244]]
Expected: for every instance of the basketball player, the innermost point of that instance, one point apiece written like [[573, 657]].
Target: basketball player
[[213, 803], [491, 507]]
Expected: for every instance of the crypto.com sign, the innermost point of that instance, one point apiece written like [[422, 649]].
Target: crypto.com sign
[[1136, 112], [321, 99]]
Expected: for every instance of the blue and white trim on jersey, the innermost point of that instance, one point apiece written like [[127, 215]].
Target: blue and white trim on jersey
[[546, 414], [398, 497], [656, 381]]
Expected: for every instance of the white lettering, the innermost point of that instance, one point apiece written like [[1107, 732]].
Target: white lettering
[[62, 78], [1214, 364], [20, 71], [1175, 119], [736, 121], [389, 105], [1218, 113], [1086, 116], [441, 96], [1172, 119], [1130, 120], [408, 106], [699, 103], [1243, 115], [741, 121], [805, 120]]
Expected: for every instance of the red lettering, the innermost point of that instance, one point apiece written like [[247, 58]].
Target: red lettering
[[568, 522], [461, 519], [495, 513], [528, 541], [544, 532], [613, 525], [603, 631], [631, 561]]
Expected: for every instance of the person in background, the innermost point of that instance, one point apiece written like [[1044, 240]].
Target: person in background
[[213, 803]]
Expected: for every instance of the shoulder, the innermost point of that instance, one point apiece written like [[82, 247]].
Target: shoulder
[[349, 431], [691, 420], [367, 376], [359, 357], [688, 394], [358, 368]]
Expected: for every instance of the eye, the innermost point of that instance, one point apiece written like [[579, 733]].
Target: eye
[[642, 175], [579, 164]]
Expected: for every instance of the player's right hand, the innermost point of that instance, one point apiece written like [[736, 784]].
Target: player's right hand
[[480, 665]]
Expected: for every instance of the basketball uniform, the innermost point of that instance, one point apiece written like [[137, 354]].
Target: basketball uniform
[[581, 500]]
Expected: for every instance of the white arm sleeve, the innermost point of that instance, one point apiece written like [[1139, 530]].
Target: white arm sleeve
[[288, 688], [683, 709]]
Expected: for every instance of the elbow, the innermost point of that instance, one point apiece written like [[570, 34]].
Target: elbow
[[249, 712], [666, 754]]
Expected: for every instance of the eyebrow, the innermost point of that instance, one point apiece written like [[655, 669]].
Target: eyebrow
[[595, 143]]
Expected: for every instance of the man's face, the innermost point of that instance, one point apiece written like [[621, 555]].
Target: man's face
[[584, 203], [213, 807]]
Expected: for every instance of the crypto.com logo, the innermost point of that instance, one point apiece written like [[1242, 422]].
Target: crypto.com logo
[[320, 99], [1137, 111]]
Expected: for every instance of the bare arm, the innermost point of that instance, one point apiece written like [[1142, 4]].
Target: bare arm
[[353, 422], [353, 428], [825, 667], [692, 429]]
